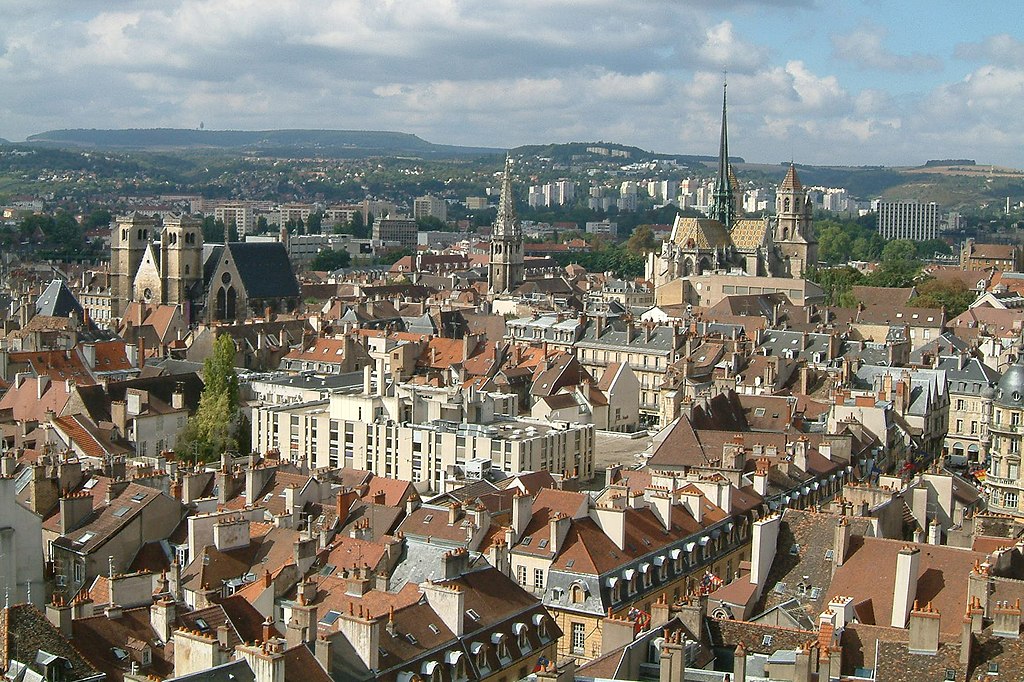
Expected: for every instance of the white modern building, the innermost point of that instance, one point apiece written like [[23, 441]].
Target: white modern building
[[911, 220]]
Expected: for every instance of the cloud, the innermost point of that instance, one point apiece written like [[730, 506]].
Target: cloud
[[507, 72], [865, 47], [1001, 49]]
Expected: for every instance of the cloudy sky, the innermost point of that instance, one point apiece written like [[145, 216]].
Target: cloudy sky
[[819, 81]]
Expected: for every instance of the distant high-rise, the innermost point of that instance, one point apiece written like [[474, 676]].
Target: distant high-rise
[[506, 270], [911, 220], [429, 206]]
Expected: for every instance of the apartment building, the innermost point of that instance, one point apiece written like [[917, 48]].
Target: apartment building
[[422, 434], [913, 220]]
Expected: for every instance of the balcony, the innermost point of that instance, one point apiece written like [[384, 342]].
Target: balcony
[[1006, 428]]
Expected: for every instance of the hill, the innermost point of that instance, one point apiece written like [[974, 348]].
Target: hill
[[609, 151], [344, 143]]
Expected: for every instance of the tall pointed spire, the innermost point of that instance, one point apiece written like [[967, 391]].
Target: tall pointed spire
[[507, 222], [723, 202], [506, 270]]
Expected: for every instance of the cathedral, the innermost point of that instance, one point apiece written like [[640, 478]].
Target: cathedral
[[782, 245], [212, 282]]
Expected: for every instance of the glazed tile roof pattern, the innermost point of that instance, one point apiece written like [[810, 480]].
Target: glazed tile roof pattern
[[701, 233], [749, 234]]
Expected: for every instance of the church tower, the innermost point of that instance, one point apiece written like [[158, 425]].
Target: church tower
[[794, 233], [723, 197], [506, 270], [181, 262], [128, 240]]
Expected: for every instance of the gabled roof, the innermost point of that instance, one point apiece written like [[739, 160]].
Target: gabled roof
[[58, 301]]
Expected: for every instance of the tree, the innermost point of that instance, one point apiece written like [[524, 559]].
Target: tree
[[98, 217], [214, 428], [331, 260], [953, 295], [432, 223], [641, 241], [837, 284]]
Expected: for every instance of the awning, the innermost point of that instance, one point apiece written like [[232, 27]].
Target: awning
[[690, 546], [644, 567], [807, 490], [704, 540], [675, 553], [428, 667], [612, 581], [729, 526], [452, 657], [816, 485], [518, 628], [475, 647], [497, 637], [715, 532], [628, 574], [659, 561], [795, 495]]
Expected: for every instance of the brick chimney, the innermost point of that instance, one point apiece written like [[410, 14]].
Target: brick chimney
[[74, 508]]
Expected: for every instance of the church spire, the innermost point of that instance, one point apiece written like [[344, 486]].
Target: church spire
[[507, 222], [723, 202]]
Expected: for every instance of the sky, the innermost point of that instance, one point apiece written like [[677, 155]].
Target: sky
[[875, 82]]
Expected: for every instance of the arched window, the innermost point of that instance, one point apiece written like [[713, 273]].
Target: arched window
[[785, 205], [578, 594], [231, 300], [221, 307]]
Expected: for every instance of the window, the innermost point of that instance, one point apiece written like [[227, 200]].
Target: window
[[1012, 471], [766, 641], [974, 428], [1010, 500], [959, 425], [538, 578], [521, 572], [579, 637]]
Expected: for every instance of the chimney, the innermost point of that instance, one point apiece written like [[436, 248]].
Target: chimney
[[800, 453], [924, 630], [42, 383], [1006, 620], [843, 608], [763, 546], [612, 522], [935, 532], [162, 615], [74, 508], [522, 512], [454, 513], [558, 528], [761, 477], [89, 354], [966, 641], [908, 562], [448, 602], [661, 505], [178, 398], [840, 543], [455, 563], [802, 665], [739, 663], [694, 503], [119, 415], [60, 614]]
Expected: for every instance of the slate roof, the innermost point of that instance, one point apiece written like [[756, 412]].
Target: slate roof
[[812, 535], [232, 671], [24, 631], [265, 269], [57, 301]]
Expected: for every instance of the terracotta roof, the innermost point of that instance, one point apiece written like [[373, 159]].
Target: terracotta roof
[[24, 631], [869, 573], [99, 635]]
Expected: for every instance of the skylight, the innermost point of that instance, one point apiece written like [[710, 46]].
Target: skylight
[[472, 614], [121, 512], [330, 617], [86, 537], [202, 624], [138, 497]]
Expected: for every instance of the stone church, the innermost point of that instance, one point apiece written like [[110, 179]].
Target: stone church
[[213, 282], [782, 245]]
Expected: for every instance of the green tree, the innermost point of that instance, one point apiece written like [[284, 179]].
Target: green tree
[[432, 223], [98, 217], [214, 428], [331, 260], [837, 284], [953, 295], [641, 241]]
